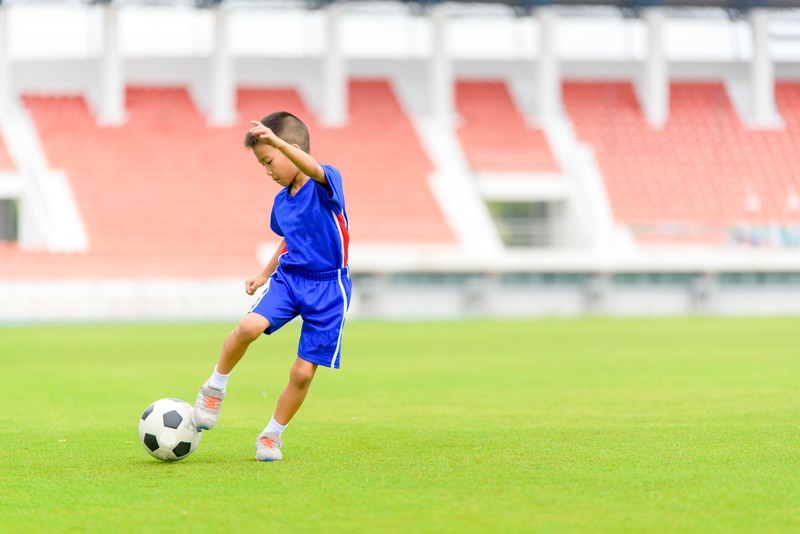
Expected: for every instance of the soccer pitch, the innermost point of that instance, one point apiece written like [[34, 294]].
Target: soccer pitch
[[589, 425]]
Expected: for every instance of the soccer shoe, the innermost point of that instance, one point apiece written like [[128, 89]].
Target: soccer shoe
[[268, 447], [207, 406]]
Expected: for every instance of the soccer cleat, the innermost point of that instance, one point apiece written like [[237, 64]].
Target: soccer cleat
[[268, 447], [207, 406]]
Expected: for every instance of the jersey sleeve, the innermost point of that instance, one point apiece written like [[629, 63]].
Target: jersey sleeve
[[273, 224], [334, 192]]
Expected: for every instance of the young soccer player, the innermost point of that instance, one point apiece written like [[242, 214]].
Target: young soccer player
[[307, 276]]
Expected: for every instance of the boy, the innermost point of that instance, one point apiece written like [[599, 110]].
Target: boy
[[307, 275]]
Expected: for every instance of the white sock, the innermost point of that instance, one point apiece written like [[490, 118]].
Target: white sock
[[275, 426], [218, 381]]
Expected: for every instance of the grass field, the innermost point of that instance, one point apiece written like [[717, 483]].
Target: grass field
[[591, 425]]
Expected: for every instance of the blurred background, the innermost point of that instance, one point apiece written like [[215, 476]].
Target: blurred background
[[500, 158]]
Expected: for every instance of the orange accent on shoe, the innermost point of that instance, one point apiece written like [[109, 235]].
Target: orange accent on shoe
[[211, 403], [267, 442]]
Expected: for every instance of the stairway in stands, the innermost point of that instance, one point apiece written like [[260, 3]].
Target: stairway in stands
[[5, 159]]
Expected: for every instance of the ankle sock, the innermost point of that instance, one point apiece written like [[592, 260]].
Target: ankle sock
[[275, 426], [218, 381]]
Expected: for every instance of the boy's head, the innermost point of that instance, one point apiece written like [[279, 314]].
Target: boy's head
[[287, 127]]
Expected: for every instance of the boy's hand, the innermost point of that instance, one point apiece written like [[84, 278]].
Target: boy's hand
[[254, 283], [265, 135]]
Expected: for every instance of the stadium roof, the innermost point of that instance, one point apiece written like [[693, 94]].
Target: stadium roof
[[528, 4], [517, 5]]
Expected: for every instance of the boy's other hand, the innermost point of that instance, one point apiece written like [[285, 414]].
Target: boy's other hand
[[254, 283], [264, 134]]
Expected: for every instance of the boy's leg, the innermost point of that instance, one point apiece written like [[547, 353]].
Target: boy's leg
[[209, 399], [268, 443], [235, 345], [295, 392]]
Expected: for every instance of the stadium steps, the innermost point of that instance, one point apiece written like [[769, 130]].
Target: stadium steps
[[10, 184], [48, 216], [703, 173], [457, 191], [6, 163]]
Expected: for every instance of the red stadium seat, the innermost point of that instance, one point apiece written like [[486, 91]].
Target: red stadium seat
[[493, 133]]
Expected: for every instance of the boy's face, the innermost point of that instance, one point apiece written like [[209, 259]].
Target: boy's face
[[279, 168]]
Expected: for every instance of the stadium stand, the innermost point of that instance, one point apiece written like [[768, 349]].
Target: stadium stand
[[168, 201], [703, 173], [167, 195], [493, 132]]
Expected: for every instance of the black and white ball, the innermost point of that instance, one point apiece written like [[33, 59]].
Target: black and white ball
[[166, 430]]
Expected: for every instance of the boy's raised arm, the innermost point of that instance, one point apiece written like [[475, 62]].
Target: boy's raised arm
[[304, 161]]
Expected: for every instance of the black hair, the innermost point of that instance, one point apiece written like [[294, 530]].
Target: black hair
[[287, 127]]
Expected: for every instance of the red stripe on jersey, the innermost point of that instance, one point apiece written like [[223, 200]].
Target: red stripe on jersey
[[345, 235]]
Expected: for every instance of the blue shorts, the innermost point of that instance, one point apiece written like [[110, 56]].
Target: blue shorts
[[320, 298]]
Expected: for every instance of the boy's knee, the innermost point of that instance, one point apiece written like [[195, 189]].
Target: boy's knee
[[251, 327], [302, 373]]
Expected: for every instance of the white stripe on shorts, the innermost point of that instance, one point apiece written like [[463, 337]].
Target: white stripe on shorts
[[341, 326], [266, 288]]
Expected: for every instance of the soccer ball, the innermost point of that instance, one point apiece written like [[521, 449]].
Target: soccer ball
[[166, 430]]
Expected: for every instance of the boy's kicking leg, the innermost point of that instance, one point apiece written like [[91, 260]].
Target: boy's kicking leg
[[212, 393], [268, 443]]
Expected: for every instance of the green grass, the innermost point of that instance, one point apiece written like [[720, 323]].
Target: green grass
[[594, 425]]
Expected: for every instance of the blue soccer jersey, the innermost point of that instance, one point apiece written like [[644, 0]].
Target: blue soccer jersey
[[312, 279], [314, 223]]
